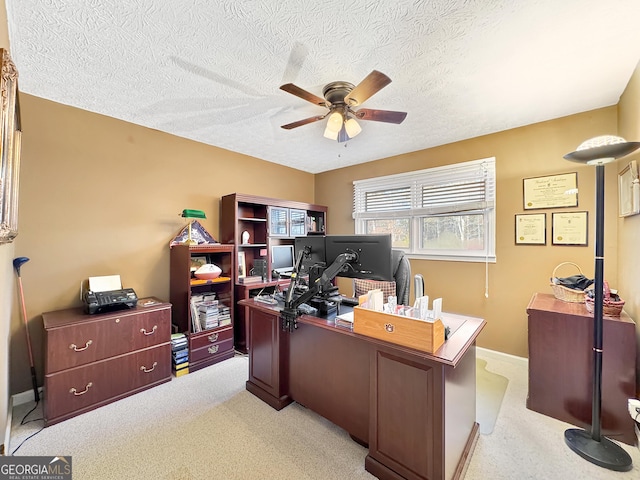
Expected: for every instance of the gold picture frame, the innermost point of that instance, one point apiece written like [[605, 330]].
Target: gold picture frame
[[10, 146], [551, 191]]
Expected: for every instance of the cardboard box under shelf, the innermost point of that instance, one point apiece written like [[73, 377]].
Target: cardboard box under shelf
[[406, 331]]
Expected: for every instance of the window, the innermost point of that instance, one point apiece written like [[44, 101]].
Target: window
[[445, 213]]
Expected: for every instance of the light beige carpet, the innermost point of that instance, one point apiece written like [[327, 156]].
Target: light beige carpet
[[207, 426], [490, 389]]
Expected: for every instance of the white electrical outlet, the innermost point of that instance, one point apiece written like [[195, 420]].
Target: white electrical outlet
[[634, 409]]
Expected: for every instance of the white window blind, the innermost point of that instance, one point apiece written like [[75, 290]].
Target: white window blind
[[460, 189]]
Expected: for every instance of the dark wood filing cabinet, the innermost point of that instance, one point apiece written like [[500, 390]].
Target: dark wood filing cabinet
[[93, 360], [561, 365]]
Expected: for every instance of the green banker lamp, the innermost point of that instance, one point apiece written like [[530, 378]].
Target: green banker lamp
[[190, 213]]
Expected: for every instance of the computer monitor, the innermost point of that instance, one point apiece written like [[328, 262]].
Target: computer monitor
[[314, 255], [282, 259], [374, 260]]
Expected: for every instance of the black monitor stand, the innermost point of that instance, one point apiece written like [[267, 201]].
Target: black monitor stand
[[320, 288]]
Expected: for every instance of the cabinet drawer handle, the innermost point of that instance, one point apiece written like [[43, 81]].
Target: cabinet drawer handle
[[77, 394], [155, 327], [213, 349], [144, 369], [213, 337], [75, 348]]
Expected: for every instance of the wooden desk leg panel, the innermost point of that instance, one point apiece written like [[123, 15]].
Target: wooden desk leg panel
[[406, 425], [268, 363], [329, 374], [422, 424]]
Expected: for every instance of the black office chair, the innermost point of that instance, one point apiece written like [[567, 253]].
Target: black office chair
[[402, 276]]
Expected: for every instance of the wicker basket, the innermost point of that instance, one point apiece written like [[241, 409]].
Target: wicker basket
[[610, 307], [563, 293]]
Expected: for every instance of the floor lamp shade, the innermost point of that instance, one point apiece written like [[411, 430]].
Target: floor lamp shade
[[592, 446]]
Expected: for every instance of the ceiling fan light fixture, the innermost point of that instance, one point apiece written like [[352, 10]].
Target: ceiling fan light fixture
[[339, 98], [335, 121], [352, 127], [329, 133]]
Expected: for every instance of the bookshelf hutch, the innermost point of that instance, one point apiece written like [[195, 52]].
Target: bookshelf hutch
[[267, 222]]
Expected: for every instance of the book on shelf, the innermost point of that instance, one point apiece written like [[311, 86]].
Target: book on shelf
[[196, 301], [181, 365], [250, 279], [179, 361], [181, 372], [180, 354], [208, 312]]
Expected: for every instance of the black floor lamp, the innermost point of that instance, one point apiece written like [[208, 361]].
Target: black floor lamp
[[592, 445]]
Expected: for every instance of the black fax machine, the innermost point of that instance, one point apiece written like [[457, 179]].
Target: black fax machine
[[101, 302]]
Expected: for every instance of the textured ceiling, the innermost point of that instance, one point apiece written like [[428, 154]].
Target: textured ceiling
[[210, 70]]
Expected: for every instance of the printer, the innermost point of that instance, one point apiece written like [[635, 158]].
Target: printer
[[105, 294]]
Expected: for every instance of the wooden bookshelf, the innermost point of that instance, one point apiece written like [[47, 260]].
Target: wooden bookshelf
[[206, 346]]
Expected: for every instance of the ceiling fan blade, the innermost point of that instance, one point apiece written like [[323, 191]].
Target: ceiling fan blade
[[373, 83], [388, 116], [306, 121], [303, 94]]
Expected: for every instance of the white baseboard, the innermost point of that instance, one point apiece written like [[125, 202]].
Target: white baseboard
[[7, 433], [25, 397], [485, 352]]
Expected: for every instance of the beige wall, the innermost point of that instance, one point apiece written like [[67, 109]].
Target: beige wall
[[629, 227], [100, 196], [519, 271], [6, 283]]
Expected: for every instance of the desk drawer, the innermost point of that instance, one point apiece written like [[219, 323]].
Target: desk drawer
[[211, 351], [211, 337], [82, 343], [81, 387]]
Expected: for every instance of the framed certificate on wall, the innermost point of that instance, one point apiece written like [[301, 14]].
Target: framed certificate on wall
[[570, 228], [551, 191], [531, 229]]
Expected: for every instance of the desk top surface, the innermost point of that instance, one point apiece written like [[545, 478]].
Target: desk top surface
[[465, 331]]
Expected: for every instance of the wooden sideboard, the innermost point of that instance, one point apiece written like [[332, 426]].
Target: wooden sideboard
[[415, 411], [561, 365], [93, 360]]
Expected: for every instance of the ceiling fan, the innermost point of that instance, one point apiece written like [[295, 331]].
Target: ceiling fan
[[340, 98]]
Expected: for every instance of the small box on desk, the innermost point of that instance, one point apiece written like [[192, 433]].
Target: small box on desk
[[406, 331]]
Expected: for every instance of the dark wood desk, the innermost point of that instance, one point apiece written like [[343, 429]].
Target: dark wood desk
[[415, 411], [561, 365]]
